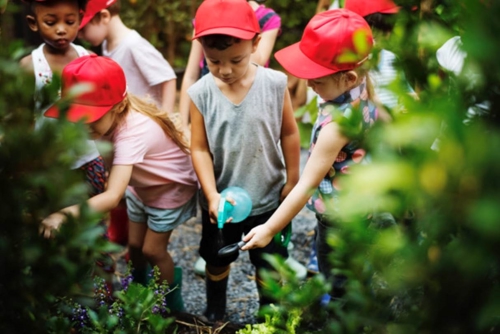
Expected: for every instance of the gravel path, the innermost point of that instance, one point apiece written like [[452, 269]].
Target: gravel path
[[242, 293]]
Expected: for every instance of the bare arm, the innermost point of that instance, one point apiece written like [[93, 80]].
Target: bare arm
[[202, 161], [266, 45], [118, 180], [328, 146], [168, 90], [190, 77], [290, 145]]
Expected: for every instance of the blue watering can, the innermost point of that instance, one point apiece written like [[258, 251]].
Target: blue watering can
[[239, 211]]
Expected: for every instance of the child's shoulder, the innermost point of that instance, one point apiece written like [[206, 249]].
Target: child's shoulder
[[272, 76], [26, 63]]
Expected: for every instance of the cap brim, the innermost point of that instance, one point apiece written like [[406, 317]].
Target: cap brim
[[86, 19], [79, 112], [299, 65], [392, 10], [234, 32]]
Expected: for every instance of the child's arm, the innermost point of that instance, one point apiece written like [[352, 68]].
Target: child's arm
[[118, 180], [202, 161], [191, 75], [290, 145], [265, 47], [328, 146], [168, 91]]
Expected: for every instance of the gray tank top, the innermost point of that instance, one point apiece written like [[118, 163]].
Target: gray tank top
[[244, 138]]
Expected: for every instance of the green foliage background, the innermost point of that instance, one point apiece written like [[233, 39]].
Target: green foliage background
[[436, 271]]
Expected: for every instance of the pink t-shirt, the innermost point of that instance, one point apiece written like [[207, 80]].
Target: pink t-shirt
[[163, 176]]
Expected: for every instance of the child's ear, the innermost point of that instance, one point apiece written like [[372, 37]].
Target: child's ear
[[32, 22], [351, 78], [255, 42], [105, 15]]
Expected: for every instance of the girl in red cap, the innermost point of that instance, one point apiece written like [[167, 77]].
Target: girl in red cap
[[151, 165], [330, 55]]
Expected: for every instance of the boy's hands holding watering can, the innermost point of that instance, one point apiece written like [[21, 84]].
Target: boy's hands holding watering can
[[213, 207], [258, 237]]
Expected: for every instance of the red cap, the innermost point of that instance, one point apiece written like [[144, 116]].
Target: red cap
[[333, 41], [234, 18], [367, 7], [94, 7], [109, 88]]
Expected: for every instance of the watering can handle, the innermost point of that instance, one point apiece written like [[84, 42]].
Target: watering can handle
[[224, 205], [283, 237]]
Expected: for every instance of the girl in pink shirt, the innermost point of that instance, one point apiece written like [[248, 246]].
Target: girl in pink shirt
[[151, 162]]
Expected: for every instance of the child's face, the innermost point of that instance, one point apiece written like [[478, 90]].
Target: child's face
[[95, 32], [329, 87], [102, 126], [57, 22], [230, 65]]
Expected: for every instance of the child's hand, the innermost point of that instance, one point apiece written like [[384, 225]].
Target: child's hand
[[213, 207], [286, 190], [51, 224], [260, 236]]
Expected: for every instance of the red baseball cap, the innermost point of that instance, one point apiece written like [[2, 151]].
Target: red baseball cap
[[94, 7], [367, 7], [234, 18], [333, 41], [108, 83]]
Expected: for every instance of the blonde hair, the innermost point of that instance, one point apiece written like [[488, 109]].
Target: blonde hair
[[362, 72], [132, 102]]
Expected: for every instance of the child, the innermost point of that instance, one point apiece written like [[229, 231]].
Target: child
[[239, 113], [320, 57], [381, 16], [149, 156], [148, 73], [269, 23], [57, 23]]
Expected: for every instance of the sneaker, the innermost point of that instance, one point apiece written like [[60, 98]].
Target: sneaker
[[312, 266], [199, 267], [297, 267]]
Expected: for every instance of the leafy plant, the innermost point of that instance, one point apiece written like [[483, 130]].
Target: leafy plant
[[133, 309]]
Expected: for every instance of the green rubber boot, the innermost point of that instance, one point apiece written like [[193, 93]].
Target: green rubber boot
[[174, 298]]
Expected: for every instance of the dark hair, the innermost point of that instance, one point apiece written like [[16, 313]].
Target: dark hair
[[381, 22], [82, 4], [219, 41]]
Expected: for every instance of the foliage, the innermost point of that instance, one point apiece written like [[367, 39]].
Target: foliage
[[438, 270], [133, 309], [36, 180]]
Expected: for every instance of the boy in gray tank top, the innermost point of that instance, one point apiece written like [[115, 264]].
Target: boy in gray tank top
[[243, 134]]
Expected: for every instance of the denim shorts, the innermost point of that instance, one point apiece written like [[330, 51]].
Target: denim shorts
[[159, 220]]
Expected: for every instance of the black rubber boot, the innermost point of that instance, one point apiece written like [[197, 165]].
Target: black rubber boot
[[216, 299]]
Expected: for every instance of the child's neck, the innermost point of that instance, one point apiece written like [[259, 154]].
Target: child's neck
[[237, 91], [117, 32], [57, 58]]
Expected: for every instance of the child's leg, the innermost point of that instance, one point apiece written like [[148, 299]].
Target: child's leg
[[155, 251], [136, 236], [217, 268]]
